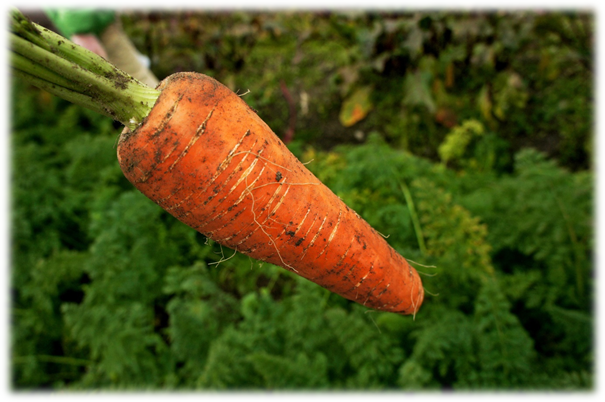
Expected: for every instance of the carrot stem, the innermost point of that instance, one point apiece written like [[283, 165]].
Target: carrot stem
[[51, 62]]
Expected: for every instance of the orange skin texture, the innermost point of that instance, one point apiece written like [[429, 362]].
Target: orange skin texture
[[206, 157]]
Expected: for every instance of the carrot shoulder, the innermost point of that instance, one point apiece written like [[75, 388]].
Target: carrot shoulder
[[206, 157]]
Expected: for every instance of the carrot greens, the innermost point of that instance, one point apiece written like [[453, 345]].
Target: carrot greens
[[53, 63]]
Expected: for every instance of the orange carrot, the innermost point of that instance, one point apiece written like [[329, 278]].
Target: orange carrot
[[206, 157]]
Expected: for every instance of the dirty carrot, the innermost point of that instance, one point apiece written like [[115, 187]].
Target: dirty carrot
[[203, 155], [208, 159]]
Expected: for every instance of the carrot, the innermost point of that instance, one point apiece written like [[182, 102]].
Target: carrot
[[207, 158], [201, 153]]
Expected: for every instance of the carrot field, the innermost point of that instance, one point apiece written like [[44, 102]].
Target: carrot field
[[465, 139]]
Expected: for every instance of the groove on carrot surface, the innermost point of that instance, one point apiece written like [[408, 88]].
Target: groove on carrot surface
[[226, 211], [372, 291], [331, 237], [167, 117], [272, 242], [303, 221], [346, 277], [242, 178], [158, 131], [304, 253], [259, 225], [220, 169], [262, 158], [198, 133], [161, 201], [279, 202]]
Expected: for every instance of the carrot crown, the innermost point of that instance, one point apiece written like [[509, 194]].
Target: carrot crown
[[53, 63]]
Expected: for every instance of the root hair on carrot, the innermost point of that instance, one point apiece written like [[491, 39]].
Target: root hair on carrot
[[414, 304], [223, 259], [271, 241], [371, 318], [422, 265], [283, 183], [257, 154]]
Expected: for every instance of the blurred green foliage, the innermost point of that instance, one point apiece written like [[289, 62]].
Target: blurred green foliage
[[527, 76], [473, 160]]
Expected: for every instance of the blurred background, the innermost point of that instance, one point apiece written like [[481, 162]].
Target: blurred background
[[465, 137]]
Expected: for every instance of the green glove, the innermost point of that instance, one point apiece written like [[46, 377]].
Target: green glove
[[81, 21]]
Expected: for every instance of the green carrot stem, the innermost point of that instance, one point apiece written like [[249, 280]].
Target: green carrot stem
[[62, 92], [21, 63], [55, 64]]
